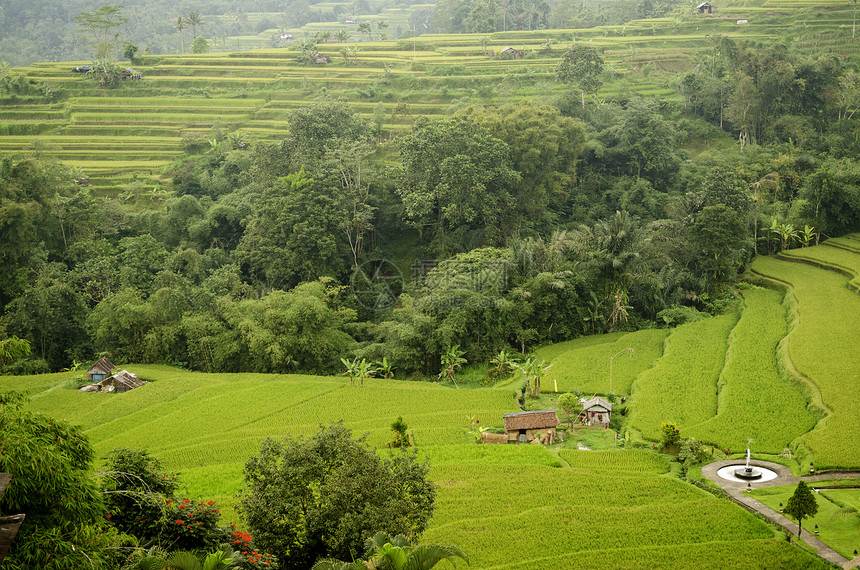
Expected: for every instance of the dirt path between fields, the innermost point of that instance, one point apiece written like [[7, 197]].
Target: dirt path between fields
[[735, 490]]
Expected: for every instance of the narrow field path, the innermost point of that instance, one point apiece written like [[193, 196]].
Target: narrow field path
[[735, 491]]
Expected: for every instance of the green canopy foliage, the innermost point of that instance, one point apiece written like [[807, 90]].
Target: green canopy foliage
[[319, 497]]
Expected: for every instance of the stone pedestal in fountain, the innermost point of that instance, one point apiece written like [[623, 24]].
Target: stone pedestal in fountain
[[748, 472]]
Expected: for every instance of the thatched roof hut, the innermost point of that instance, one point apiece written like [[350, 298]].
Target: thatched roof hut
[[525, 426], [596, 412], [100, 369], [508, 52], [121, 382]]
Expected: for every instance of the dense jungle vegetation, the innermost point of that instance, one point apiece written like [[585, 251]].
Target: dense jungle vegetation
[[505, 226]]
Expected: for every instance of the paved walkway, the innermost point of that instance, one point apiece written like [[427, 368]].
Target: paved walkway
[[735, 490]]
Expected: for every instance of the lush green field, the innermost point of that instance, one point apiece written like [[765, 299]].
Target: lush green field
[[508, 506], [823, 348], [837, 516], [683, 386], [527, 516], [586, 367], [756, 401]]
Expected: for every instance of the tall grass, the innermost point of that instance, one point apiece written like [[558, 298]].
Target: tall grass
[[682, 387], [755, 400], [824, 349]]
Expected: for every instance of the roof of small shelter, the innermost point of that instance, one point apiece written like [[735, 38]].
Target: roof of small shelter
[[125, 378], [102, 366], [531, 420], [597, 401]]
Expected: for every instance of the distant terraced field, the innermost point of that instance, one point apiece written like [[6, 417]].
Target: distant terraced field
[[137, 130]]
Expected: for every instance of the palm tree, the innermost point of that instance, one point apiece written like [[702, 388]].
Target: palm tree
[[181, 25], [181, 560], [616, 249], [194, 19], [396, 553]]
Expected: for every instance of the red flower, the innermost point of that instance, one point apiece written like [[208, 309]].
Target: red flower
[[180, 522], [107, 516]]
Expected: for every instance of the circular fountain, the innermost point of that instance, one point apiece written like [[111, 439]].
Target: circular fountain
[[747, 473]]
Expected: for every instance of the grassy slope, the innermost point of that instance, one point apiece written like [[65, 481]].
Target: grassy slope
[[615, 506], [755, 401], [823, 347], [585, 366], [682, 387]]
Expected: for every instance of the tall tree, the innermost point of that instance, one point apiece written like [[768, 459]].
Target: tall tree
[[181, 25], [194, 19], [456, 177], [800, 505], [50, 464], [99, 28], [581, 66], [293, 234], [51, 314], [320, 497], [544, 148]]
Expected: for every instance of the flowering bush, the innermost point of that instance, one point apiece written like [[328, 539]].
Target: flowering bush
[[188, 525], [243, 543], [140, 501]]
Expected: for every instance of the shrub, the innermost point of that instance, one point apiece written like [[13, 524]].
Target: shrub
[[140, 501]]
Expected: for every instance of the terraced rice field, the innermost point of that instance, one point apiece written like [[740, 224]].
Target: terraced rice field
[[186, 95], [683, 386], [614, 508], [586, 368], [756, 399], [822, 348], [529, 516]]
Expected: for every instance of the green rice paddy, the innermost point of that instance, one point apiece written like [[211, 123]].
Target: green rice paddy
[[824, 350]]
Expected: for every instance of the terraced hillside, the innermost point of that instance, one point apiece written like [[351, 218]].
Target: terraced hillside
[[572, 510], [133, 132], [822, 345]]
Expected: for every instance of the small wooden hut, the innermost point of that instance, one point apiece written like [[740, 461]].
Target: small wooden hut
[[100, 370], [596, 412], [705, 8], [523, 427]]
